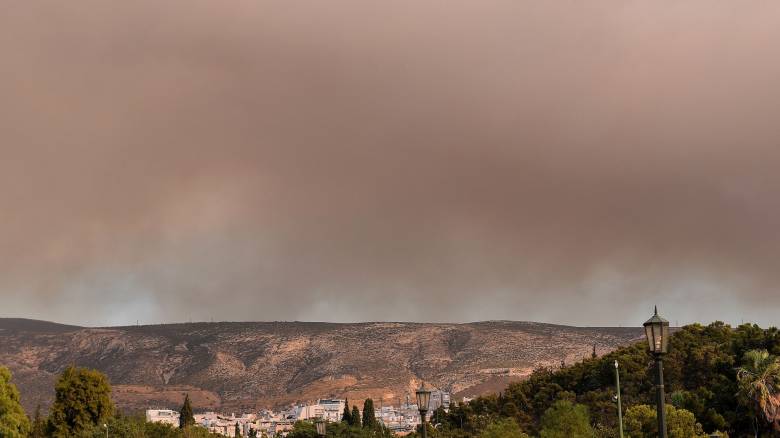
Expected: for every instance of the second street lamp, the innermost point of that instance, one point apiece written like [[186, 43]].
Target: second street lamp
[[657, 333], [423, 399], [620, 407]]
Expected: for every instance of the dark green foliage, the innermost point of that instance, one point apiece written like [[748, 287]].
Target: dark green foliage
[[303, 429], [759, 384], [13, 421], [700, 377], [505, 428], [82, 400], [185, 413], [346, 416], [237, 431], [307, 429], [38, 428], [369, 416], [137, 427], [355, 416]]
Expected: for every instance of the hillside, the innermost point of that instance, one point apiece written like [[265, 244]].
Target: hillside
[[700, 378], [259, 364]]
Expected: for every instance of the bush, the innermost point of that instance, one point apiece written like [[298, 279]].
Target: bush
[[565, 419]]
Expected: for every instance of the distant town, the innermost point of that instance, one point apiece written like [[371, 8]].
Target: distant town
[[400, 419]]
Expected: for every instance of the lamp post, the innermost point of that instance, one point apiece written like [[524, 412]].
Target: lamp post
[[620, 407], [106, 426], [423, 399], [657, 333], [320, 424]]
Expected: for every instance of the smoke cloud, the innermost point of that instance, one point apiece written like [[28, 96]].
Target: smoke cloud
[[570, 162]]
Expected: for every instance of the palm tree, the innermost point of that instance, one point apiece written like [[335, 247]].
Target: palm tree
[[759, 384]]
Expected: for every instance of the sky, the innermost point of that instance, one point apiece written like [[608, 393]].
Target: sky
[[447, 161]]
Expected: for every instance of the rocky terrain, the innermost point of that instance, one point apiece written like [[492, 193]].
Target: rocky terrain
[[235, 366]]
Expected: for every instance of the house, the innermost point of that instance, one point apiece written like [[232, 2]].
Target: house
[[165, 416]]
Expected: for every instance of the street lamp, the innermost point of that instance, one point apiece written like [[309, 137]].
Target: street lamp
[[320, 423], [657, 333], [106, 426], [620, 407], [423, 398]]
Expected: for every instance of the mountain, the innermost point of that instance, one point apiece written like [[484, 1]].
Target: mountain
[[248, 365]]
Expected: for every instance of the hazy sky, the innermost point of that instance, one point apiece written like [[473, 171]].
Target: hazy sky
[[563, 161]]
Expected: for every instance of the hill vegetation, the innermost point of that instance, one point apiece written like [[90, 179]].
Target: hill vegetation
[[254, 365], [719, 379]]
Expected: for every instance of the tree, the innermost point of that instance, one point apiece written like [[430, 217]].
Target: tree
[[504, 428], [346, 416], [640, 422], [565, 419], [237, 431], [185, 415], [759, 386], [355, 416], [82, 399], [369, 416], [38, 429], [13, 421], [303, 429]]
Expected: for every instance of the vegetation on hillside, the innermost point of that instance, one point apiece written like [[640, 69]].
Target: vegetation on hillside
[[718, 378]]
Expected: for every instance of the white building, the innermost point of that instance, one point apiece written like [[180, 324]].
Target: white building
[[328, 409], [332, 409], [439, 398], [226, 425], [165, 416]]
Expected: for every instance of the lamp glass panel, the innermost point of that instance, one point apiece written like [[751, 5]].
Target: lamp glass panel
[[649, 335], [423, 397], [665, 339], [658, 338]]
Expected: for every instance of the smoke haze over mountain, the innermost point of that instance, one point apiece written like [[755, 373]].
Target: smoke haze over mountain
[[352, 161]]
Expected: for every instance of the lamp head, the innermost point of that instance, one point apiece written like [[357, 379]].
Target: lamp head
[[423, 398], [657, 334]]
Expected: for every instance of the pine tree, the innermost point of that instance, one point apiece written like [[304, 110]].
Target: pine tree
[[237, 431], [185, 415], [346, 417], [355, 416], [369, 417]]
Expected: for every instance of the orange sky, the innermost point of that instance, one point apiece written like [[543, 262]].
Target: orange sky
[[573, 162]]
